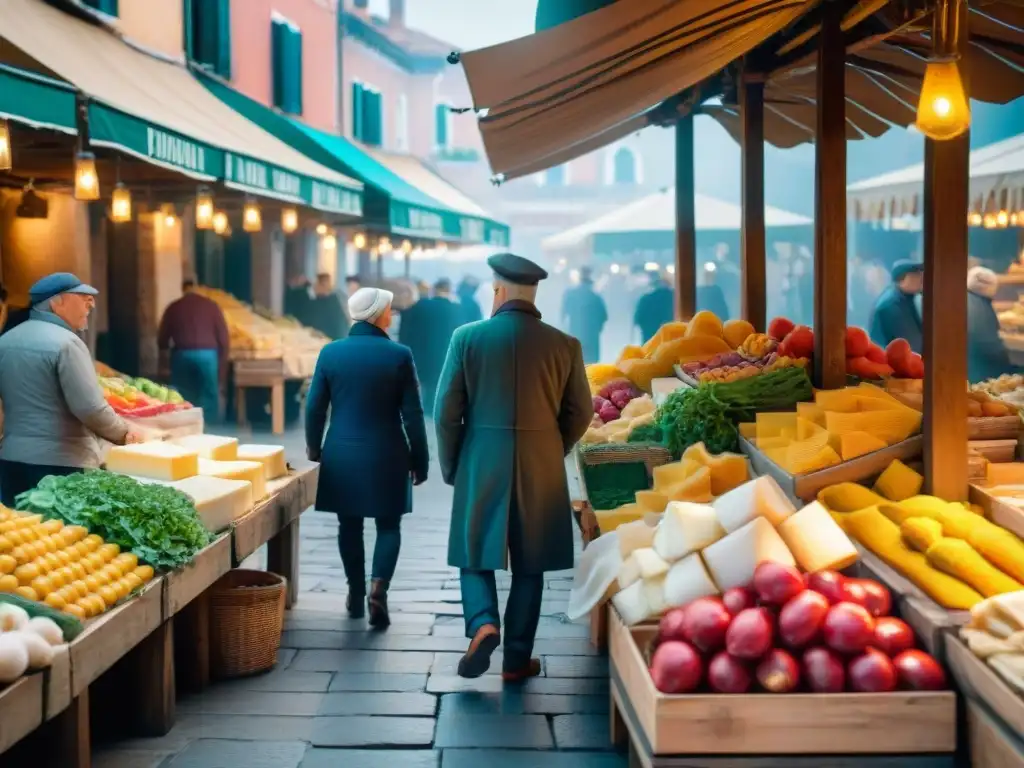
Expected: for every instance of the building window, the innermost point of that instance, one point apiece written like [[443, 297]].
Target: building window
[[442, 126], [367, 115], [622, 166], [208, 34], [286, 51], [402, 123], [108, 7], [555, 177]]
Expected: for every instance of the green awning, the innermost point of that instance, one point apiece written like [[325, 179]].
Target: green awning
[[155, 110], [36, 101], [402, 195]]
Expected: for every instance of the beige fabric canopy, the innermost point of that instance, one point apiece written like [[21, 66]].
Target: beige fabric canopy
[[561, 93]]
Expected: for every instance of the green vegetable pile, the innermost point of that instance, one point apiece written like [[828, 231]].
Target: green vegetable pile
[[646, 433], [157, 523], [709, 413]]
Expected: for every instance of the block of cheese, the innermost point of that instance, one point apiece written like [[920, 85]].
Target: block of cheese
[[157, 461], [643, 563], [210, 446], [761, 497], [816, 541], [631, 603], [686, 528], [731, 561], [654, 595], [687, 581], [633, 536], [652, 501], [249, 471], [219, 502], [271, 456]]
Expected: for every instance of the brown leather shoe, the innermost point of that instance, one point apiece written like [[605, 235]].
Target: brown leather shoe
[[477, 658], [354, 604], [522, 674], [377, 603]]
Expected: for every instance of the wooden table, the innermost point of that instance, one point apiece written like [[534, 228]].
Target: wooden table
[[134, 653], [269, 374]]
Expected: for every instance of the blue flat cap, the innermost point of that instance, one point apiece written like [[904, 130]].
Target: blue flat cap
[[56, 284], [903, 268], [516, 269]]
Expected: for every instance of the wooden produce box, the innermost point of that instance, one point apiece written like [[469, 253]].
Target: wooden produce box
[[992, 745], [993, 427], [761, 725], [980, 682], [804, 488], [1001, 513], [21, 709]]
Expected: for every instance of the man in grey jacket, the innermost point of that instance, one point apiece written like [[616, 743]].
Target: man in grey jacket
[[53, 406]]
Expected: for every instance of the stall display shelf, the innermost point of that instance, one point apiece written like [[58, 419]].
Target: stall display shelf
[[991, 744], [145, 645], [1001, 513], [913, 729]]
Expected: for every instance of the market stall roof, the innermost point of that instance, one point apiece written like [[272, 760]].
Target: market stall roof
[[657, 213], [154, 109], [402, 194], [568, 90], [997, 180], [36, 100]]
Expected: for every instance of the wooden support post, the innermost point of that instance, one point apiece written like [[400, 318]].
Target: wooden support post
[[192, 645], [946, 179], [830, 204], [752, 227], [67, 737], [283, 559], [150, 666], [277, 406], [686, 225]]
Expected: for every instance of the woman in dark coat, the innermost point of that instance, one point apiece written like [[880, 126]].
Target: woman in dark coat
[[987, 356], [376, 445]]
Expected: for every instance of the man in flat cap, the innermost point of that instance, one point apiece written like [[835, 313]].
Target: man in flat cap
[[53, 406], [895, 315], [511, 402]]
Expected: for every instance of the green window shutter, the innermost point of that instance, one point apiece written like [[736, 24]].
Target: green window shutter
[[278, 49], [441, 126], [209, 37], [295, 71], [357, 111], [188, 30], [108, 7], [369, 112], [378, 119], [222, 53]]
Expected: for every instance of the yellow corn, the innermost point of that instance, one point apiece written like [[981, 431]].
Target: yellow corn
[[920, 532], [960, 559]]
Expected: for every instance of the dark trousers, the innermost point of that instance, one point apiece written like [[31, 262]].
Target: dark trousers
[[353, 555], [16, 478], [195, 374]]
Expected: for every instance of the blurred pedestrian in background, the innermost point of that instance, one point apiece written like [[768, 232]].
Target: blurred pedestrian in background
[[895, 315], [326, 310], [710, 295], [298, 297], [654, 308], [987, 356], [466, 291], [585, 313]]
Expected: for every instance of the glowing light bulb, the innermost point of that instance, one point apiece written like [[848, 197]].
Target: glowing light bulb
[[87, 181], [289, 220], [943, 111], [252, 220], [204, 209], [121, 204], [6, 156], [220, 222], [330, 243], [1002, 219], [321, 229], [359, 241]]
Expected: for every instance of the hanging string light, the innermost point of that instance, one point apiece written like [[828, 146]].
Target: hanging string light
[[406, 246], [359, 241], [204, 208], [321, 229], [6, 154], [289, 220], [121, 204], [169, 214], [252, 219], [220, 223], [943, 111], [87, 181], [384, 245], [330, 242]]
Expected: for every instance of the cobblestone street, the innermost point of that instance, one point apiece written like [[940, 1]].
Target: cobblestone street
[[342, 695]]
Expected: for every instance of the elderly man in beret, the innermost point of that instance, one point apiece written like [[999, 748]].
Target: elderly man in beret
[[895, 315], [53, 406], [512, 401]]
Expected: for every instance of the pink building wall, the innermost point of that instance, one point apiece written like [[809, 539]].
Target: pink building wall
[[251, 53]]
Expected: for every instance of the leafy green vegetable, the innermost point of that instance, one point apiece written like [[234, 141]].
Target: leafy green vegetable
[[647, 433], [157, 523], [709, 413]]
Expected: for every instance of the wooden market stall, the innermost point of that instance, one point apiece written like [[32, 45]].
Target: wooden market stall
[[788, 74]]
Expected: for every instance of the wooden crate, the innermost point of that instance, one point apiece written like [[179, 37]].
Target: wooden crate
[[991, 744], [979, 681], [21, 709], [758, 725], [993, 427], [1001, 513], [998, 451], [805, 487], [187, 583]]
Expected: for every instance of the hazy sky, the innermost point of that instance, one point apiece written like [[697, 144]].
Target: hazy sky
[[468, 24]]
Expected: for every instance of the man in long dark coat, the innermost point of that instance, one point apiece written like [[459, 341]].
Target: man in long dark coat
[[586, 313], [512, 401], [895, 315]]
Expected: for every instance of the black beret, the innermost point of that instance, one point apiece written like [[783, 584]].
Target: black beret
[[905, 267], [516, 269]]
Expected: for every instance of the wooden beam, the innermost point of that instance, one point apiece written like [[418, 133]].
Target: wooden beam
[[946, 179], [752, 232], [830, 204], [686, 224]]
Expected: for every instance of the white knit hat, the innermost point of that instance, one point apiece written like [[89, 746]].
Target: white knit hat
[[982, 281], [369, 303]]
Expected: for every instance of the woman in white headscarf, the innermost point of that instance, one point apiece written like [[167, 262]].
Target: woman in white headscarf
[[375, 449], [986, 354]]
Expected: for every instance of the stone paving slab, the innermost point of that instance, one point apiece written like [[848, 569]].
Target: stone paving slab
[[234, 702], [377, 681], [581, 731], [364, 661], [494, 758], [281, 681], [221, 753], [493, 731], [367, 758], [404, 704], [373, 732]]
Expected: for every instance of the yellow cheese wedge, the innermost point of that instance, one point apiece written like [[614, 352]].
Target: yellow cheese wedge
[[728, 471], [210, 446], [633, 536], [1010, 473], [688, 580], [748, 430], [157, 461], [249, 471], [854, 444], [610, 519], [816, 540], [761, 497], [219, 502], [898, 482], [652, 501], [669, 475], [696, 487], [732, 560], [811, 412], [271, 456], [686, 528]]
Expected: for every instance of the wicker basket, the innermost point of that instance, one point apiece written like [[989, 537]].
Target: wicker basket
[[246, 620]]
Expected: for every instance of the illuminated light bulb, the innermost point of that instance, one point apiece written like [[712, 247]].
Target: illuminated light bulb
[[321, 229], [121, 204], [651, 266], [975, 219], [671, 269], [1013, 219], [204, 209], [943, 111], [252, 220], [1002, 219], [220, 222], [167, 211], [406, 246], [989, 221], [6, 155], [359, 241], [709, 266], [330, 243], [615, 269], [384, 246], [87, 181], [289, 220]]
